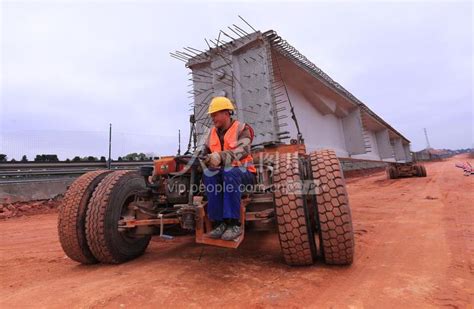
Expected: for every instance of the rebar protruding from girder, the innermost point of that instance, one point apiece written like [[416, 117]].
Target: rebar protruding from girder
[[240, 29], [179, 57], [247, 23], [237, 33]]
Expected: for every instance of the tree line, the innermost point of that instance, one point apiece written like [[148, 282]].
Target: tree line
[[54, 158]]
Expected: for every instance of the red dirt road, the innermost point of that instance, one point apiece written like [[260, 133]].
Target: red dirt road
[[414, 248]]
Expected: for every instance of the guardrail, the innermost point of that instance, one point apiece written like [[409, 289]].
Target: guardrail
[[8, 166], [18, 172]]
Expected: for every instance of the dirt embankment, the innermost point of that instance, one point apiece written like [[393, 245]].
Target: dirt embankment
[[18, 209]]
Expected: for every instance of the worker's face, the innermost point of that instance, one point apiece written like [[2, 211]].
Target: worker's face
[[220, 118]]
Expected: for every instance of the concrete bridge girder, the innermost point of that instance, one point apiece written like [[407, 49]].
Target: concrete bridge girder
[[261, 78], [398, 149], [383, 144], [406, 148], [353, 132]]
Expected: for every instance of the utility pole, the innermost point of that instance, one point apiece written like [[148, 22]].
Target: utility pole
[[109, 162], [427, 140], [179, 142]]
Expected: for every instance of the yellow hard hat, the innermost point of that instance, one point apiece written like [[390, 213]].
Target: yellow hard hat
[[220, 104]]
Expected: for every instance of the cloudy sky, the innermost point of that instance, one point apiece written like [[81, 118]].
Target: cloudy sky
[[68, 69]]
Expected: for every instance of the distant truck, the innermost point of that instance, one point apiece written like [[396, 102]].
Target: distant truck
[[408, 169]]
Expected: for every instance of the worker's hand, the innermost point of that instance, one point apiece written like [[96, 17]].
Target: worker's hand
[[213, 160]]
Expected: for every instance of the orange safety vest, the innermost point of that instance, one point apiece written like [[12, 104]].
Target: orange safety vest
[[231, 139]]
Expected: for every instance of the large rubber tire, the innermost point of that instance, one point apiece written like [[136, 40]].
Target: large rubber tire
[[72, 217], [336, 234], [418, 170], [389, 171], [393, 172], [105, 210], [294, 229], [423, 171], [396, 174]]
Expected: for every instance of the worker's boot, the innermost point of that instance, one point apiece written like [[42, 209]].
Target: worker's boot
[[218, 231], [232, 232]]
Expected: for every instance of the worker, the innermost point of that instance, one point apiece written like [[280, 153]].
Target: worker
[[229, 169]]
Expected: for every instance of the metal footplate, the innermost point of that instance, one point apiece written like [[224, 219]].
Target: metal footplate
[[204, 226]]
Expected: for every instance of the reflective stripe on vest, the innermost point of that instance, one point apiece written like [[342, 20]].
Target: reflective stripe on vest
[[231, 141]]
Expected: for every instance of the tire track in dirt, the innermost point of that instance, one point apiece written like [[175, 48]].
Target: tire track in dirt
[[414, 248]]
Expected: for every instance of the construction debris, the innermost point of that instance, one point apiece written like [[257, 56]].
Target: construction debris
[[467, 168]]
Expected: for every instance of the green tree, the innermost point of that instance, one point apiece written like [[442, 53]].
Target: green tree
[[51, 158], [130, 156], [135, 157]]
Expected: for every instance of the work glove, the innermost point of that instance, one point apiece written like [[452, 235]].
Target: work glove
[[213, 160]]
